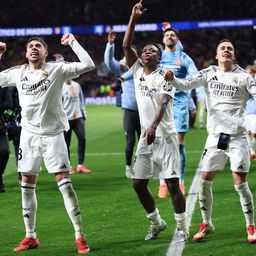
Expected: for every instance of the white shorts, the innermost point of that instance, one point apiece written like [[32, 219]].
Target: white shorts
[[160, 160], [35, 148], [214, 159], [250, 123]]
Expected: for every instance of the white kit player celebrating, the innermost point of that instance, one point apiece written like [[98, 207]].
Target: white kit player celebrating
[[157, 154], [227, 89], [43, 121]]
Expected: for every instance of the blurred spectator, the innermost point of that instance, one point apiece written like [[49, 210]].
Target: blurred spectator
[[13, 123], [73, 104], [250, 117], [5, 104], [88, 12]]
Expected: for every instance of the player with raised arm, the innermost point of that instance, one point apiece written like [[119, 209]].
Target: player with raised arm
[[131, 120], [39, 84], [227, 89], [157, 153]]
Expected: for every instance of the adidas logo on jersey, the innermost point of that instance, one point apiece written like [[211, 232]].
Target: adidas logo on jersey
[[214, 78], [63, 166], [24, 79], [173, 173]]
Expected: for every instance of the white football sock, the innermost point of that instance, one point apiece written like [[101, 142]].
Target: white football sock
[[71, 204], [246, 201], [181, 221], [29, 207], [155, 217], [206, 200]]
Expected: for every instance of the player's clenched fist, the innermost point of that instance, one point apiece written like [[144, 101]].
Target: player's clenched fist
[[168, 75], [67, 38], [2, 47], [111, 37]]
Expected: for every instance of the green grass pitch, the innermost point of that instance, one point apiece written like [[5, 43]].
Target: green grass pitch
[[113, 220]]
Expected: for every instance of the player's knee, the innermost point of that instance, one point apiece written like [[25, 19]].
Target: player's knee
[[173, 186], [61, 175], [139, 186]]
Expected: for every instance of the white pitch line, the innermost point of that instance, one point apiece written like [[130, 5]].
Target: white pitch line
[[111, 154], [176, 249]]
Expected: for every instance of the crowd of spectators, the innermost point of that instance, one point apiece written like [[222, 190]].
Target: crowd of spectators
[[199, 44], [87, 12]]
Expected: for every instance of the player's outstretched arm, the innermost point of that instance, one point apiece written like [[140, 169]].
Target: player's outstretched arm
[[189, 83], [8, 77], [109, 58], [130, 53], [111, 37], [86, 63]]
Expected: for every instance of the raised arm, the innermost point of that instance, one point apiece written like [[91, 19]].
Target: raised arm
[[86, 64], [161, 108], [109, 57], [130, 53], [8, 76]]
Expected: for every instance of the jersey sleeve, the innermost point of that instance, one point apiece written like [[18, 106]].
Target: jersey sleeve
[[167, 88], [190, 66], [110, 60], [75, 69], [191, 82], [81, 97], [127, 75], [251, 86], [8, 77], [136, 67]]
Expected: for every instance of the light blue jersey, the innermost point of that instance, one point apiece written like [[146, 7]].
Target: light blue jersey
[[128, 95], [182, 66], [250, 108]]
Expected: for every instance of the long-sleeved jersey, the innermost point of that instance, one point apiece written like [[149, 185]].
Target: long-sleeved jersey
[[128, 95], [180, 63], [226, 96], [250, 108], [73, 100], [40, 91]]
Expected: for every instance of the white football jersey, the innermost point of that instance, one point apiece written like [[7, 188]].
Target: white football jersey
[[73, 100], [148, 89], [40, 91], [226, 96]]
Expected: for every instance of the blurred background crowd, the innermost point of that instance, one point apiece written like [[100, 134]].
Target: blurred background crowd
[[199, 44]]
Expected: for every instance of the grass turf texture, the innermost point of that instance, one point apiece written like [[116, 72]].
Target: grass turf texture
[[114, 222]]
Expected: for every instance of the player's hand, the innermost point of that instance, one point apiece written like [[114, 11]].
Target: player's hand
[[137, 10], [67, 38], [150, 133], [2, 47], [168, 76], [111, 37], [166, 25]]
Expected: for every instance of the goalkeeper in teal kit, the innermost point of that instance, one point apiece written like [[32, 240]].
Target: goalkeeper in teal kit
[[174, 58]]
